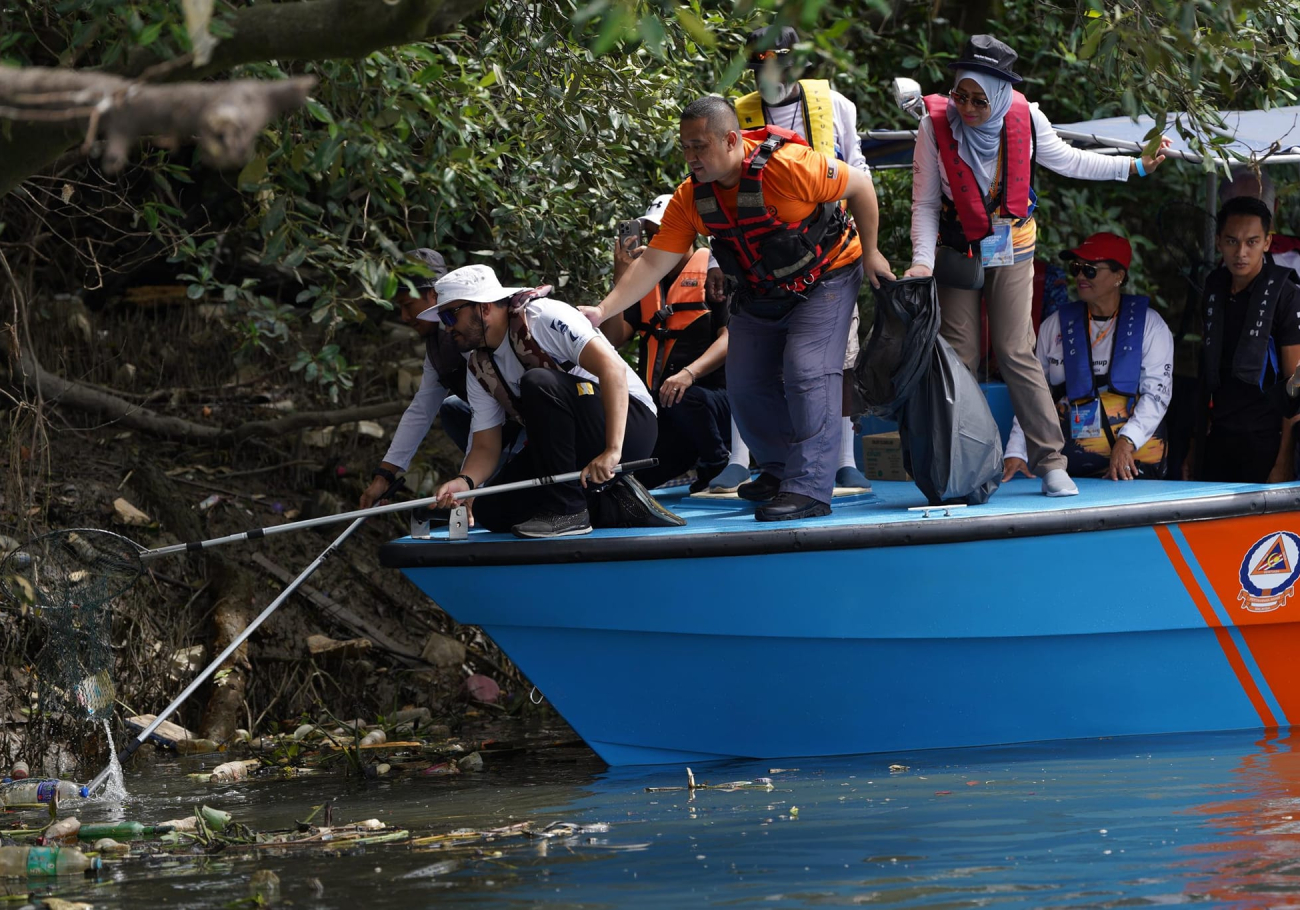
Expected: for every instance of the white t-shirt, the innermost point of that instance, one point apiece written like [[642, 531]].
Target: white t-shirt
[[1155, 382], [562, 332], [789, 116]]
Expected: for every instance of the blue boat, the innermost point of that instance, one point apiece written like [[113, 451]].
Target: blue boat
[[1134, 608]]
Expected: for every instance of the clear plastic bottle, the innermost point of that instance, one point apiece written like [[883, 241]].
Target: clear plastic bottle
[[23, 862], [39, 791]]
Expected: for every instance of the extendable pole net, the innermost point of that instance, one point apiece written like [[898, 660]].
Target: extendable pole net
[[67, 580]]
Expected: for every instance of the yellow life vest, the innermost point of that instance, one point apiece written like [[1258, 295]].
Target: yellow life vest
[[818, 114]]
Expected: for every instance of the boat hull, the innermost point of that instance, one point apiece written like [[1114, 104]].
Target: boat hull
[[886, 648]]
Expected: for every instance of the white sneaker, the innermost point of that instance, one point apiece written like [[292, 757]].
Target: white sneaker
[[1058, 483]]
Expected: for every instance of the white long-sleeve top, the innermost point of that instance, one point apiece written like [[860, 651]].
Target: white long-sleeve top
[[417, 418], [1155, 383], [930, 179], [789, 116]]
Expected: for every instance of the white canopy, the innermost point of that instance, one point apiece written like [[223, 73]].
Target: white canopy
[[1270, 137]]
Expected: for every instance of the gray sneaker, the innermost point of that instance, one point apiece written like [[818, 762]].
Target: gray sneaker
[[637, 508], [549, 524]]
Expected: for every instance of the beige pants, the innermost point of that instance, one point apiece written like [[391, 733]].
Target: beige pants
[[1009, 290]]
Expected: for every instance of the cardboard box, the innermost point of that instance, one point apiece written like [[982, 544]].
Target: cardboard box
[[882, 457]]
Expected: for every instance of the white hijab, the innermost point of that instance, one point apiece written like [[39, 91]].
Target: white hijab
[[978, 145]]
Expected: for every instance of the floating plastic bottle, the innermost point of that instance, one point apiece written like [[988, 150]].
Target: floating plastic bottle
[[40, 791], [24, 862], [122, 830]]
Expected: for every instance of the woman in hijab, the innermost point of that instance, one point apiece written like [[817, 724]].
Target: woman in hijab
[[973, 227]]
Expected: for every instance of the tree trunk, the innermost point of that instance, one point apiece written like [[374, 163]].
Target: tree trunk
[[230, 616]]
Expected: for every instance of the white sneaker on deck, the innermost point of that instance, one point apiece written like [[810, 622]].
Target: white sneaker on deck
[[1058, 483]]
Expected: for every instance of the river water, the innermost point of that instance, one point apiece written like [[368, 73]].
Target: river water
[[1210, 819]]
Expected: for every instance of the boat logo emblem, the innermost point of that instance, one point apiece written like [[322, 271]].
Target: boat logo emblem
[[1269, 572]]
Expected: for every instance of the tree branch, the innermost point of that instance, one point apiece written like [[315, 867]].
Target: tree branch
[[225, 117], [301, 30], [57, 390]]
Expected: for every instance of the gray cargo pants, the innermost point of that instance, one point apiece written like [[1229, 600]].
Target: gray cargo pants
[[784, 381]]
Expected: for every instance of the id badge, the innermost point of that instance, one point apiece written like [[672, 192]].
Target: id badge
[[1085, 420], [996, 249]]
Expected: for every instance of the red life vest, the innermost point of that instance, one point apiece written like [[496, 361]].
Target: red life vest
[[663, 321], [771, 258], [974, 211], [483, 368]]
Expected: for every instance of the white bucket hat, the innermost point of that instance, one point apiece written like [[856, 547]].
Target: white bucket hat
[[469, 283], [654, 212]]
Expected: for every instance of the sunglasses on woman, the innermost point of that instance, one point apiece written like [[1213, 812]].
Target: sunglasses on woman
[[1088, 271], [448, 317], [961, 99]]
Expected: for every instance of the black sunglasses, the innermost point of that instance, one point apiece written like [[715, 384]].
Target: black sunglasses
[[1087, 270], [448, 316], [962, 99]]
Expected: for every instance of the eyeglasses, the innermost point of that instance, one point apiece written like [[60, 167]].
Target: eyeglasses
[[1088, 271], [448, 316], [961, 99]]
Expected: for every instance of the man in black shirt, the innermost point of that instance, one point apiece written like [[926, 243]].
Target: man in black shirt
[[1252, 345], [682, 325]]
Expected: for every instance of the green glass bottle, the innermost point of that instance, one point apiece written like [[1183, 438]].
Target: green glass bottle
[[120, 830]]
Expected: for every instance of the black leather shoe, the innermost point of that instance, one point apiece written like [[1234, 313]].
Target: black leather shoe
[[762, 488], [791, 507]]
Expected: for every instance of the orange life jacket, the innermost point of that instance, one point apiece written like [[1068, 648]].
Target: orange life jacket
[[973, 210], [771, 258], [665, 318]]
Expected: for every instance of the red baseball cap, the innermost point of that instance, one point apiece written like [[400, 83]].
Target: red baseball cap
[[1100, 247]]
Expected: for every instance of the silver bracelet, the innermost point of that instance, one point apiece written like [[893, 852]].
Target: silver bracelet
[[692, 372]]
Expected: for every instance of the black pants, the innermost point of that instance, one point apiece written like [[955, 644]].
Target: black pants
[[1240, 457], [695, 430], [566, 429]]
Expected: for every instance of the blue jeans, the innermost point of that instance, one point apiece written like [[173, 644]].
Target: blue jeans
[[784, 381]]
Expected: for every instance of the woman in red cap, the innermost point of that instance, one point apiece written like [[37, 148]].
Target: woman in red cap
[[972, 193], [1108, 358]]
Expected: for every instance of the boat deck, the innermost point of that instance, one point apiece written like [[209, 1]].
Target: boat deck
[[893, 514]]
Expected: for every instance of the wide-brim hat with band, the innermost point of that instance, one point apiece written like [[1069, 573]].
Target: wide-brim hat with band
[[432, 260], [467, 284], [987, 54], [1103, 247], [654, 212]]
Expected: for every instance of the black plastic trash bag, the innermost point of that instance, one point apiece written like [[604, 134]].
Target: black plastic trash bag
[[949, 435], [897, 351]]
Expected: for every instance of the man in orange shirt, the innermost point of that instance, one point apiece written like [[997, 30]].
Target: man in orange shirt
[[797, 259]]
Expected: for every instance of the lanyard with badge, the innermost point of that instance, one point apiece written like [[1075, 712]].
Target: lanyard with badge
[[1086, 416], [998, 248]]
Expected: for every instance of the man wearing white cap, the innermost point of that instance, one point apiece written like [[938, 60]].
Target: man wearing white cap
[[540, 361], [682, 324]]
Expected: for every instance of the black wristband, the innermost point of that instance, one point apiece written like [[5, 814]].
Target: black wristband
[[386, 474], [469, 480]]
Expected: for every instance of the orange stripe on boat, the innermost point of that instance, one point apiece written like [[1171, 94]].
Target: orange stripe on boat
[[1273, 637], [1212, 620]]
